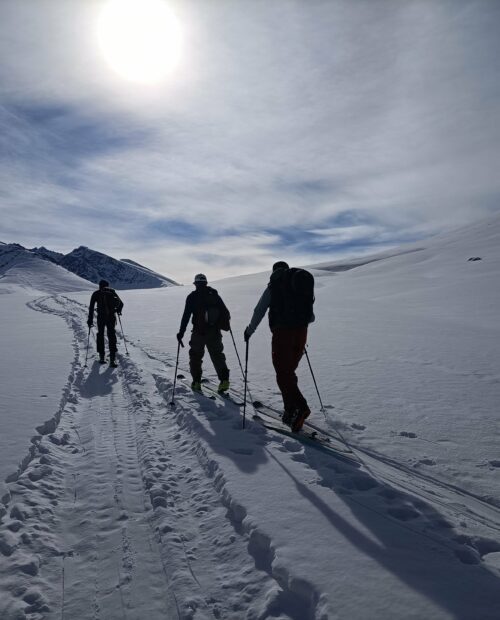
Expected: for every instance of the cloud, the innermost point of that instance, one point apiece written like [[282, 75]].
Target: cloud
[[299, 128]]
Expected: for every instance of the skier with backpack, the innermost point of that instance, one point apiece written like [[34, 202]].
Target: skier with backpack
[[108, 306], [209, 316], [289, 296]]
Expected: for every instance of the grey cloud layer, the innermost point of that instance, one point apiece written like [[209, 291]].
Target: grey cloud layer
[[284, 116]]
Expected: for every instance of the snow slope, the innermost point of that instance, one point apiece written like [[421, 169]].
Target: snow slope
[[130, 507], [24, 268], [35, 352]]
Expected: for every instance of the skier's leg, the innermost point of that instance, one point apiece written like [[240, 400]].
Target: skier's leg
[[287, 349], [196, 353], [215, 348], [302, 410], [299, 340], [100, 338], [111, 326], [281, 351]]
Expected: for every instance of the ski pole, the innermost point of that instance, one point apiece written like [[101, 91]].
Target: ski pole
[[255, 403], [246, 382], [179, 345], [87, 354], [124, 339], [314, 379], [237, 354]]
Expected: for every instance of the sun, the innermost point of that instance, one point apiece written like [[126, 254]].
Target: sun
[[140, 39]]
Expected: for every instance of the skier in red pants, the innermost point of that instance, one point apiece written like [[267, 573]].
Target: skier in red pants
[[289, 296]]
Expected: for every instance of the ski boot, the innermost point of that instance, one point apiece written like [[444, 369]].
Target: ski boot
[[196, 386], [223, 386], [287, 417], [101, 359], [298, 419], [112, 362]]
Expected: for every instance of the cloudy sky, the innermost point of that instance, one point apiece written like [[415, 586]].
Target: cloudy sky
[[301, 130]]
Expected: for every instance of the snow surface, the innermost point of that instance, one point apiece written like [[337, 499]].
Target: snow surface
[[23, 268], [128, 507]]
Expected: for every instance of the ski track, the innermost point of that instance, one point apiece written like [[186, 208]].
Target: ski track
[[116, 507], [119, 509]]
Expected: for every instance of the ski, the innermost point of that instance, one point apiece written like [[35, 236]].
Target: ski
[[225, 395], [275, 414], [311, 438], [213, 394]]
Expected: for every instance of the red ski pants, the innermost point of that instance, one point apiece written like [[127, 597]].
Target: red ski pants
[[288, 344]]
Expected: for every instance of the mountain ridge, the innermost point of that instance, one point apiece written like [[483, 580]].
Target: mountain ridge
[[86, 266]]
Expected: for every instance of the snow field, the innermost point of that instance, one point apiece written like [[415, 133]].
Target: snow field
[[129, 507], [33, 369]]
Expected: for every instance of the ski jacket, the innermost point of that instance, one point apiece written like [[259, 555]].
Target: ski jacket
[[271, 300], [207, 310], [108, 303]]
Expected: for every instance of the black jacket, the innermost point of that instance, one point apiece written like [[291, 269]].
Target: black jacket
[[107, 302], [207, 309]]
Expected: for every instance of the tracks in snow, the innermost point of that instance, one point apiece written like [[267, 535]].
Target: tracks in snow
[[118, 513]]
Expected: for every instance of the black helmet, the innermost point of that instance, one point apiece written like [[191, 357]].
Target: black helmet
[[103, 283]]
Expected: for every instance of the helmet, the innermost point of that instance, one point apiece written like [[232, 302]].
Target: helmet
[[103, 283], [200, 278]]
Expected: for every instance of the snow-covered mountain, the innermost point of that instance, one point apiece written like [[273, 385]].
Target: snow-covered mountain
[[74, 270], [54, 257], [146, 270], [25, 268], [122, 274]]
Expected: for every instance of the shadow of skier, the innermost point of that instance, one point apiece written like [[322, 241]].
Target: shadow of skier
[[98, 383], [435, 573]]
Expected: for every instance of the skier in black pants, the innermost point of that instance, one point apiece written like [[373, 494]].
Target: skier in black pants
[[108, 306], [210, 316]]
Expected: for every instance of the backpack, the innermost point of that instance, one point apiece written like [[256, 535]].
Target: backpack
[[213, 312], [292, 298], [106, 303]]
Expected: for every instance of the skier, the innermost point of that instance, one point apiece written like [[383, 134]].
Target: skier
[[210, 316], [108, 305], [289, 296]]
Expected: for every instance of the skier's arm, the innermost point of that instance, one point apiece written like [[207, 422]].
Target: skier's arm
[[93, 301], [224, 309], [118, 304], [259, 312], [188, 311]]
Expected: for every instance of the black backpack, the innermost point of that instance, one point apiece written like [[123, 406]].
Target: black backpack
[[292, 298], [213, 312]]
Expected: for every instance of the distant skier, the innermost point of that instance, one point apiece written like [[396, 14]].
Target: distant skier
[[210, 316], [108, 306], [289, 296]]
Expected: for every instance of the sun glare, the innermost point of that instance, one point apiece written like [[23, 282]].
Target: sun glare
[[140, 39]]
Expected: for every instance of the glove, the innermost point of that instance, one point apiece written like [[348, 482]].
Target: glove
[[90, 323], [247, 334], [180, 336], [119, 312]]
